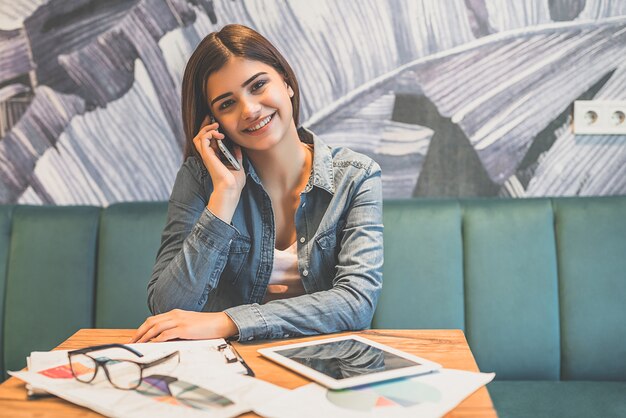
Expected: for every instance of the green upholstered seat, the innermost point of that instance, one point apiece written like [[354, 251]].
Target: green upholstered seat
[[423, 271], [591, 242], [128, 242], [511, 287], [5, 234], [571, 399], [50, 280]]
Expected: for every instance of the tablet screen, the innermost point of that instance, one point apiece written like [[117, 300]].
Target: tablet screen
[[346, 358]]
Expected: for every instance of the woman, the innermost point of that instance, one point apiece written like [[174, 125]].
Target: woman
[[289, 245]]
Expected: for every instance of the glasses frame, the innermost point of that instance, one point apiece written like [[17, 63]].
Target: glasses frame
[[103, 363]]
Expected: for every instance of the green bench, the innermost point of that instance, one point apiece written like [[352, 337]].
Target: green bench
[[538, 286]]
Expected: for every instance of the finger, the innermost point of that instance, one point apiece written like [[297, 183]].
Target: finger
[[211, 144], [208, 134], [151, 333], [156, 330], [148, 323], [143, 328], [196, 144], [211, 157], [217, 134], [201, 140], [208, 127], [170, 334]]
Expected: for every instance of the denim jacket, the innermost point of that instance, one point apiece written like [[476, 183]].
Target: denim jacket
[[205, 264]]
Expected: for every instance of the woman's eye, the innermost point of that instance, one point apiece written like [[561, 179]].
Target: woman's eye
[[258, 85], [225, 104]]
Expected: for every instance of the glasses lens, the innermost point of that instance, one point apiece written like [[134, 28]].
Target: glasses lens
[[83, 367], [124, 374]]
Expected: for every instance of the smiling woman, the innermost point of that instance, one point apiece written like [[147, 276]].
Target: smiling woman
[[291, 243]]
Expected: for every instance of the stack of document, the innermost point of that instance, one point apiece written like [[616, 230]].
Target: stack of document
[[203, 383]]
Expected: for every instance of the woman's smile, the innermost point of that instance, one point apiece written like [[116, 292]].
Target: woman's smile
[[260, 127]]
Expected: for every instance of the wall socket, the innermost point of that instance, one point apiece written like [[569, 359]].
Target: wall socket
[[600, 117]]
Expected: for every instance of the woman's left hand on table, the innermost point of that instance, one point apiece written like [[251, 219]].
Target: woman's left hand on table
[[187, 325]]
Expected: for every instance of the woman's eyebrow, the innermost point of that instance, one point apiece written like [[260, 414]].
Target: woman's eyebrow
[[245, 83]]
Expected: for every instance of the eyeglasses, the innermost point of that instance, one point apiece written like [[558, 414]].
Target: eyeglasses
[[122, 374]]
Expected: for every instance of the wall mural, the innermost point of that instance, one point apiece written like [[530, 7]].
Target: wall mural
[[452, 98]]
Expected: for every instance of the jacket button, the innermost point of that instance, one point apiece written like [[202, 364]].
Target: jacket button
[[305, 273], [302, 239]]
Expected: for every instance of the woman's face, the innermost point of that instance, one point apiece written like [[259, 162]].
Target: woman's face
[[251, 102]]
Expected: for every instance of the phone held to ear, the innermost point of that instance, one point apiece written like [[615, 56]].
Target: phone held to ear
[[226, 153], [229, 158]]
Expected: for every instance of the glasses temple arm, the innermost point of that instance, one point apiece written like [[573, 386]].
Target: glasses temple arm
[[160, 360], [103, 347]]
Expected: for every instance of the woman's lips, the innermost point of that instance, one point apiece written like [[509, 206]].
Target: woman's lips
[[262, 130]]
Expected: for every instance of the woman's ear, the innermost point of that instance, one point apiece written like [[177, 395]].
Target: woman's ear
[[289, 89]]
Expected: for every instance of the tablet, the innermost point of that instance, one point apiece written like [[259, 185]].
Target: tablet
[[347, 361]]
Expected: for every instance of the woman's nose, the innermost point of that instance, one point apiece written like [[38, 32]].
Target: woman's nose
[[250, 109]]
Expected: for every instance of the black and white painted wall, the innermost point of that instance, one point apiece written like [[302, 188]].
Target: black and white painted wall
[[452, 98]]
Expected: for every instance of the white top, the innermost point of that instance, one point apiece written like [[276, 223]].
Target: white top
[[285, 281]]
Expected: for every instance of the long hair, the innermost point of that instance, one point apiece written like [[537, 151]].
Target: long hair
[[210, 56]]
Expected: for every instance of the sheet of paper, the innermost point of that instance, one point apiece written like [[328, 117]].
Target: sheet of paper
[[30, 390], [430, 395], [201, 385]]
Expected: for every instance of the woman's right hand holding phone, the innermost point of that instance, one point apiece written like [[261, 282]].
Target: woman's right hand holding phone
[[227, 182]]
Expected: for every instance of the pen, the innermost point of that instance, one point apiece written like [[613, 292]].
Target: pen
[[249, 371]]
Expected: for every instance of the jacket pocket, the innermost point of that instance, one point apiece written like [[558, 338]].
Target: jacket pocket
[[325, 261], [237, 257]]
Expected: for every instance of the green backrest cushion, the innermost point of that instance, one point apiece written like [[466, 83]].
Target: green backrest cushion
[[129, 239], [5, 234], [511, 305], [423, 271], [50, 280], [591, 243]]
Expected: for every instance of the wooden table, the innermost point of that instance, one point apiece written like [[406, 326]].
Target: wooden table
[[446, 347]]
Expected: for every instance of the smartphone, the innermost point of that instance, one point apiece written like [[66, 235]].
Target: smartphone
[[226, 153]]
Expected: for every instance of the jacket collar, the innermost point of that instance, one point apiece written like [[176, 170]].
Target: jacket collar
[[322, 175]]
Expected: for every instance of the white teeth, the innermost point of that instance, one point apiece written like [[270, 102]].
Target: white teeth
[[260, 124]]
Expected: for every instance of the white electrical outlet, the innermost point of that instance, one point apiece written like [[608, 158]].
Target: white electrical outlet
[[600, 117]]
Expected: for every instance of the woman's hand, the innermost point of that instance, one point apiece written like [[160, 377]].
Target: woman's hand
[[224, 178], [185, 325], [227, 182]]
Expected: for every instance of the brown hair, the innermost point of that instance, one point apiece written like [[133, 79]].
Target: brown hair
[[213, 53]]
